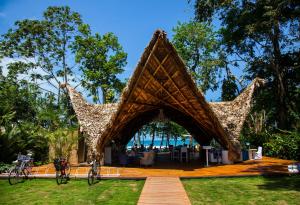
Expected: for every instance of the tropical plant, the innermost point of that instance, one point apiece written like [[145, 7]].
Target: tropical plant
[[262, 36], [42, 49], [198, 46], [20, 130], [102, 58], [285, 145], [62, 142]]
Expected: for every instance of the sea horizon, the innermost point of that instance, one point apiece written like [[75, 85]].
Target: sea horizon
[[157, 143]]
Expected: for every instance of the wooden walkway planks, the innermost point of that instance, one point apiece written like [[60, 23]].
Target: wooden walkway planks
[[163, 190], [267, 165]]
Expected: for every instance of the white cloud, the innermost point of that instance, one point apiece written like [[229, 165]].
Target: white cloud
[[42, 84], [3, 64]]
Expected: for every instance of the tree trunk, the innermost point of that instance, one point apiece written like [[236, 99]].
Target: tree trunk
[[103, 95], [168, 140], [139, 138], [134, 141], [281, 93], [58, 97], [191, 140], [64, 58], [162, 140], [152, 135]]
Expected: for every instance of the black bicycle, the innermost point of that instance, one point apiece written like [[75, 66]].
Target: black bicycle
[[63, 170], [21, 170], [94, 173]]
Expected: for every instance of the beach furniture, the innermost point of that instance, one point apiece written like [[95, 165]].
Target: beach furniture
[[258, 154]]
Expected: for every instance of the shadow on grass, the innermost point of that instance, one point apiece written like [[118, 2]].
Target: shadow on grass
[[281, 183], [269, 168]]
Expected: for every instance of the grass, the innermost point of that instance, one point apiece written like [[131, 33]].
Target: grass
[[43, 191], [249, 190]]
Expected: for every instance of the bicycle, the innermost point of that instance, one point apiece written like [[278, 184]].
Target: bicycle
[[63, 170], [94, 173], [22, 169]]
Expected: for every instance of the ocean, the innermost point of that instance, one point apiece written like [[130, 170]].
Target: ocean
[[157, 143]]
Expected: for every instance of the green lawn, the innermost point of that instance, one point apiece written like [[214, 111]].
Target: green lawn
[[249, 190], [42, 191]]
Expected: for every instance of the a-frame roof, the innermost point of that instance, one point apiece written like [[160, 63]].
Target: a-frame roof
[[161, 81]]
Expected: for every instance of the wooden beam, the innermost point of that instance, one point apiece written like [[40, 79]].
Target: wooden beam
[[165, 103], [172, 96], [157, 69], [139, 103], [145, 86], [178, 89], [171, 79], [143, 69]]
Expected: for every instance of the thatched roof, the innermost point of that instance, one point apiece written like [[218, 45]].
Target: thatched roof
[[161, 81]]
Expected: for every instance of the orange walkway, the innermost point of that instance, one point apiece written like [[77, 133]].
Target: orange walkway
[[251, 167], [163, 190]]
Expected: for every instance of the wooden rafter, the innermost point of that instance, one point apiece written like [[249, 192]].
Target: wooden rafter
[[141, 73], [174, 83]]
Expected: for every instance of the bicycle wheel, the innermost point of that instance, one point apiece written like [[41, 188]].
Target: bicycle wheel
[[91, 177], [13, 177], [99, 173], [68, 171], [64, 179], [58, 178], [25, 173], [29, 168]]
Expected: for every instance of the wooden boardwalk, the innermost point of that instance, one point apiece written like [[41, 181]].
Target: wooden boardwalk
[[163, 190], [267, 165]]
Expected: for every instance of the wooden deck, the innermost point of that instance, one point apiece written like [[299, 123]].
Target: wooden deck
[[163, 190], [251, 167]]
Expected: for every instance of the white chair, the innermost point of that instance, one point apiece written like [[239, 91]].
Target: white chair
[[258, 154], [213, 155], [293, 169], [148, 158], [225, 159], [183, 154]]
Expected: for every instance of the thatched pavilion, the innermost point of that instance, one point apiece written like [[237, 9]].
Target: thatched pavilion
[[161, 82]]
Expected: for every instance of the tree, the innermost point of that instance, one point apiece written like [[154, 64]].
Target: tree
[[229, 89], [151, 129], [102, 58], [42, 49], [62, 142], [20, 130], [197, 44], [263, 35]]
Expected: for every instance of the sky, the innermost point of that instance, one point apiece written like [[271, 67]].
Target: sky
[[132, 21]]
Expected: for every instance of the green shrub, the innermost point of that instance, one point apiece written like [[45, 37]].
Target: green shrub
[[4, 167], [254, 140], [284, 145]]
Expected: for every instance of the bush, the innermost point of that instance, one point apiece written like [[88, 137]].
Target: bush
[[4, 167], [284, 145], [62, 142], [254, 140], [22, 138]]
